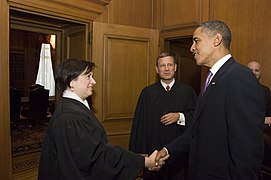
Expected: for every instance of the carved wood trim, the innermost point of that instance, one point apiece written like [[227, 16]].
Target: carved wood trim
[[202, 14], [5, 141], [82, 10]]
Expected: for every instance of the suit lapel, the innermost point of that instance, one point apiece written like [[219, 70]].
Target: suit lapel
[[209, 91]]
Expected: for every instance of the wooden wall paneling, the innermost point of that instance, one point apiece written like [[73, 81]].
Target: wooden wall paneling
[[80, 10], [125, 58], [126, 72], [5, 144], [264, 43], [137, 13], [119, 139], [176, 14], [76, 38], [180, 18], [248, 21], [157, 14]]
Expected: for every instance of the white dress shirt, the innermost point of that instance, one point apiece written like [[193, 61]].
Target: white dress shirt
[[181, 120], [69, 94]]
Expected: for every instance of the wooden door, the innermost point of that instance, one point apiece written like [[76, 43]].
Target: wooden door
[[125, 58], [76, 42]]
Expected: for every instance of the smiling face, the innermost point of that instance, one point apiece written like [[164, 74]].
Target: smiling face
[[203, 47], [166, 69], [83, 85]]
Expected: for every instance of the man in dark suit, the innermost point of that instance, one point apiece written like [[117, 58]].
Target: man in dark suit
[[255, 67], [225, 140]]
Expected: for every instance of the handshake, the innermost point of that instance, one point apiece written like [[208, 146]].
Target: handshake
[[156, 160]]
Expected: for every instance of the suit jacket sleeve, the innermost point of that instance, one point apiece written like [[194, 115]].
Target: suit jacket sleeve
[[245, 119], [267, 99]]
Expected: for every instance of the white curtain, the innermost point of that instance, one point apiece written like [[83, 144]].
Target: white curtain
[[45, 75]]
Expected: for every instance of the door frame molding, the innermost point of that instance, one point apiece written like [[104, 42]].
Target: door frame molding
[[54, 9]]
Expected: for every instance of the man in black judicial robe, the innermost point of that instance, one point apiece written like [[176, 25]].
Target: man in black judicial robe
[[161, 116]]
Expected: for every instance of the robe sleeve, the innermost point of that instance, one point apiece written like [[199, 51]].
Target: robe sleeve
[[138, 137], [84, 148]]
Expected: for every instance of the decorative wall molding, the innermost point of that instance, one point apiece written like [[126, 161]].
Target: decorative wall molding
[[83, 10]]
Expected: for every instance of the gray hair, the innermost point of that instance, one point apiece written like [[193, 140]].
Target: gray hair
[[215, 26], [166, 54]]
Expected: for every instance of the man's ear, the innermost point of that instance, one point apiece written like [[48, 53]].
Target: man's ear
[[217, 39], [156, 68]]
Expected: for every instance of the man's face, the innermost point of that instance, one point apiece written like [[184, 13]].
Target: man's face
[[166, 69], [202, 48], [255, 67]]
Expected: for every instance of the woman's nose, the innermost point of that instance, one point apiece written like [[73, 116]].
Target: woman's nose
[[93, 81]]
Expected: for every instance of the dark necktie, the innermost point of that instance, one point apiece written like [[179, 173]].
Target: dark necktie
[[168, 88], [207, 82]]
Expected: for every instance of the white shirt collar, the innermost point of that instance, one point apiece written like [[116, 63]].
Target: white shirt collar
[[69, 94], [219, 63], [170, 84]]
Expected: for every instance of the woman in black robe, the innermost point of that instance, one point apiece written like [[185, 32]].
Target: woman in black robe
[[76, 146]]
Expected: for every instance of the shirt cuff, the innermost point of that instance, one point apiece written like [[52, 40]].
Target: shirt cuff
[[181, 120], [166, 150]]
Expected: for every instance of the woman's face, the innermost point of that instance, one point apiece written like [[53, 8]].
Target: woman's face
[[83, 85]]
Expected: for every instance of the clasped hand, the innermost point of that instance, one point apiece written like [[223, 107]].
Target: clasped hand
[[169, 118], [156, 160]]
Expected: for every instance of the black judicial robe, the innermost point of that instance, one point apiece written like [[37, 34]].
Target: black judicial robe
[[267, 100], [76, 148], [148, 133]]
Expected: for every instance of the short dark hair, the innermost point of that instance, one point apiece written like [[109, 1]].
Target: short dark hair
[[166, 54], [215, 26], [69, 70]]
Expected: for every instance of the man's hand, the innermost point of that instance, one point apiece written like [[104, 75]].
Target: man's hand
[[267, 121], [160, 159], [170, 118], [150, 161]]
